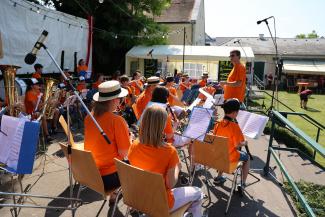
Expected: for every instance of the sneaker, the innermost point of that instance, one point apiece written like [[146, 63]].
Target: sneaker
[[240, 189], [219, 180]]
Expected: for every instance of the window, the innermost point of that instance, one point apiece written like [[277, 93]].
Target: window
[[193, 70]]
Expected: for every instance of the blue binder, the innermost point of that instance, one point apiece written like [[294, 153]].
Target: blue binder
[[27, 149]]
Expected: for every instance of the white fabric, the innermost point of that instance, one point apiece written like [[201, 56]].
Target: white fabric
[[184, 195], [304, 67], [175, 52], [21, 27]]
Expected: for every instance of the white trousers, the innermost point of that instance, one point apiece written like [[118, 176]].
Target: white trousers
[[184, 195]]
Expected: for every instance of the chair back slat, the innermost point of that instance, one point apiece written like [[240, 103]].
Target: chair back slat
[[142, 190], [84, 169], [214, 153]]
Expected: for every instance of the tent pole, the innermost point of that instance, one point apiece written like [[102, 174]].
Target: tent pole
[[184, 49]]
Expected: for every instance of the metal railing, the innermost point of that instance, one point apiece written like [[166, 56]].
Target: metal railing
[[258, 82], [319, 126], [277, 117]]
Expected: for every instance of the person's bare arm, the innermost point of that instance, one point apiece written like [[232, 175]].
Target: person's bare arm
[[172, 176]]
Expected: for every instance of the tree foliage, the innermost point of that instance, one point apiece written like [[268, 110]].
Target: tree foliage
[[117, 27], [313, 34]]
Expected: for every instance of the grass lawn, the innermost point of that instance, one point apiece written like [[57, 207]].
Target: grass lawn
[[315, 109]]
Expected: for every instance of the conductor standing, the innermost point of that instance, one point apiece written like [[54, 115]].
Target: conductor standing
[[235, 85]]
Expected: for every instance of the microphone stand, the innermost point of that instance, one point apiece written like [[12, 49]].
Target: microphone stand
[[278, 67], [77, 95]]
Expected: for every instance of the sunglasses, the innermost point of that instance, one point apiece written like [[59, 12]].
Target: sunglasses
[[232, 55]]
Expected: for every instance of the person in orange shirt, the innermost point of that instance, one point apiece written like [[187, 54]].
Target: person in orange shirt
[[228, 127], [82, 84], [145, 96], [82, 68], [151, 153], [126, 106], [38, 71], [100, 79], [185, 84], [33, 104], [235, 86], [107, 99], [172, 91], [204, 80], [136, 83], [209, 89]]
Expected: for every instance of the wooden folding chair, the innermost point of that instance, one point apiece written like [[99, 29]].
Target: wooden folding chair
[[145, 191], [213, 152], [86, 173], [69, 134]]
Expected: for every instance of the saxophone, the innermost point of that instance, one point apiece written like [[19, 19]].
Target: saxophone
[[9, 75]]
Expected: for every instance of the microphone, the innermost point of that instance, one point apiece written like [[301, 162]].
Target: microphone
[[264, 20], [237, 41], [31, 57]]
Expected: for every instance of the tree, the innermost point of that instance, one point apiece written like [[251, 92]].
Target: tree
[[313, 34], [118, 26]]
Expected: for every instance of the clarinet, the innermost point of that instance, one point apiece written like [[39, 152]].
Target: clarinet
[[170, 110]]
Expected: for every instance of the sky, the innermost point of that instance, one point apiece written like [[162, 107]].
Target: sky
[[238, 17]]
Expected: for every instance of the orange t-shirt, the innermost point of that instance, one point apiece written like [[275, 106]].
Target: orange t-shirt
[[117, 131], [184, 86], [82, 68], [81, 86], [157, 160], [31, 98], [171, 100], [128, 98], [169, 128], [37, 75], [238, 73], [142, 102], [202, 83], [210, 90], [234, 134], [137, 90]]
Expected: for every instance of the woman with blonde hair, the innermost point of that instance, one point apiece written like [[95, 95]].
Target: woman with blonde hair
[[107, 99], [151, 153]]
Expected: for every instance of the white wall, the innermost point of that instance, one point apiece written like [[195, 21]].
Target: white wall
[[20, 28], [199, 27]]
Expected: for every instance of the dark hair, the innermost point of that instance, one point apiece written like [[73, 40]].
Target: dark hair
[[135, 74], [124, 78], [160, 94], [170, 79], [37, 66], [175, 72], [231, 105], [79, 62], [116, 75], [237, 52]]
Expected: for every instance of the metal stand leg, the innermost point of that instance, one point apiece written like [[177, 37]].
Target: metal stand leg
[[127, 211], [234, 183], [99, 211], [116, 201], [206, 181]]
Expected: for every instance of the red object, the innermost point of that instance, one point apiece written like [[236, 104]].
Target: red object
[[90, 38]]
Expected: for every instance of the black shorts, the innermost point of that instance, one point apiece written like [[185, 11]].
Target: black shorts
[[303, 97], [111, 181]]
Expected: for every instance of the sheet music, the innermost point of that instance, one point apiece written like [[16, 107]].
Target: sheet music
[[180, 140], [8, 126], [194, 103], [242, 118], [209, 102], [251, 124], [199, 123], [16, 144]]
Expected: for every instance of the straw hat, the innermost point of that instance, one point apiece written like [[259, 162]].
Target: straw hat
[[109, 90], [153, 80]]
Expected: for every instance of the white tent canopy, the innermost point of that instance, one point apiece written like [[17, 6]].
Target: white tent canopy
[[22, 22], [175, 52], [304, 67]]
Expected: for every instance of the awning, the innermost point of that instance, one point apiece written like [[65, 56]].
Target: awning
[[175, 52], [306, 67]]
